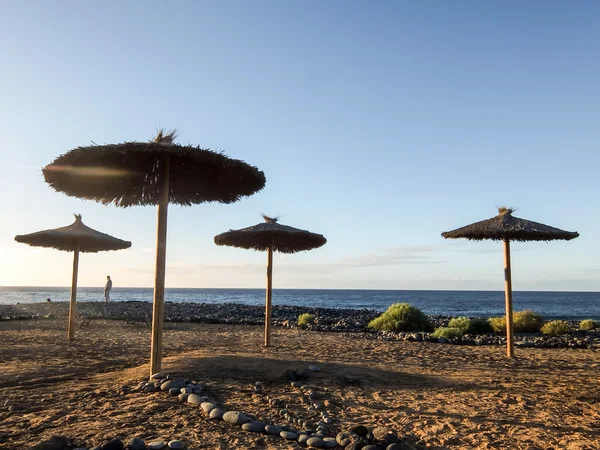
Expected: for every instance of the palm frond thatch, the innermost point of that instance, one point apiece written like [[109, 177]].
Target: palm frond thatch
[[69, 237], [128, 174], [259, 237], [505, 226]]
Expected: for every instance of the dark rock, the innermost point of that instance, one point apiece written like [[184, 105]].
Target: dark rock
[[156, 445], [385, 434], [288, 435], [273, 429], [115, 444], [361, 430], [315, 441], [176, 444], [174, 392], [54, 443], [136, 444]]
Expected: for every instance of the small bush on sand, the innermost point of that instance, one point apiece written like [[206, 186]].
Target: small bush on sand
[[556, 327], [588, 324], [462, 323], [401, 317], [448, 333], [306, 319], [523, 322], [480, 326], [527, 322]]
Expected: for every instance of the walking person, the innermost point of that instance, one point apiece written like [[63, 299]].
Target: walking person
[[107, 288]]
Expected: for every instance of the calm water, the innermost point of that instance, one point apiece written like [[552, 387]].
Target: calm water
[[564, 305]]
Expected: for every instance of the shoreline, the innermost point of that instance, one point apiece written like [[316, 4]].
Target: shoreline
[[345, 320]]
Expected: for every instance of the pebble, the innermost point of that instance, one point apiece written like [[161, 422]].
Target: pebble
[[193, 399], [136, 444], [296, 384], [370, 447], [255, 427], [174, 392], [158, 376], [115, 444], [207, 407], [235, 417], [216, 413], [156, 445], [385, 434], [288, 435], [315, 441], [330, 442], [151, 389], [176, 444], [273, 429], [302, 438], [172, 384], [314, 368], [183, 397], [185, 390]]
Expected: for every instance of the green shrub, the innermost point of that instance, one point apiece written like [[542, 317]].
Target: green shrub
[[527, 322], [556, 327], [401, 317], [448, 333], [480, 326], [462, 323], [306, 319], [498, 324], [523, 322], [588, 324]]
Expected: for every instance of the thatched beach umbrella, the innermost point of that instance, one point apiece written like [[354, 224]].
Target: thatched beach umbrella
[[505, 227], [75, 238], [271, 236], [158, 172]]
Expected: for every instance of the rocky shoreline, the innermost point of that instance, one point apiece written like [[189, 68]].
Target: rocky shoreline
[[327, 320]]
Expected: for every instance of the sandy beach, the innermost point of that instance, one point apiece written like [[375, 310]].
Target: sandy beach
[[434, 396]]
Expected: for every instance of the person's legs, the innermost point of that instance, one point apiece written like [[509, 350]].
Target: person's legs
[[106, 296]]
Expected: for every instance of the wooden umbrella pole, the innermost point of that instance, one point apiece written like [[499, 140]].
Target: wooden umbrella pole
[[158, 308], [510, 349], [269, 295], [72, 304]]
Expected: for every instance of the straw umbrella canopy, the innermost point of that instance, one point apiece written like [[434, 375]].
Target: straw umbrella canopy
[[75, 238], [506, 228], [271, 236], [158, 172]]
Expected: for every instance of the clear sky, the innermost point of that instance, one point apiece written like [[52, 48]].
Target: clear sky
[[378, 124]]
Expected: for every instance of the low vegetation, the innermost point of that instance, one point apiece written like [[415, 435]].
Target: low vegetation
[[306, 319], [462, 323], [480, 326], [448, 333], [401, 317], [523, 322], [555, 327], [588, 324]]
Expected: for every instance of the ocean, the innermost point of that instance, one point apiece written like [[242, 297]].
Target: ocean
[[552, 305]]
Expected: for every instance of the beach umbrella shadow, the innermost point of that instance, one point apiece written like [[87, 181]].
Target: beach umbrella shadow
[[75, 238]]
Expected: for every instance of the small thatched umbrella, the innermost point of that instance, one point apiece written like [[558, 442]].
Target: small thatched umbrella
[[270, 236], [505, 227], [158, 172], [75, 238]]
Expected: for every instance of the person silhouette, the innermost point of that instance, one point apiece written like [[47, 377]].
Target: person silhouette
[[107, 288]]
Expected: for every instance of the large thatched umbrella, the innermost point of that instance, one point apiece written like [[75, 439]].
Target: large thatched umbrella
[[505, 227], [158, 172], [75, 238], [270, 236]]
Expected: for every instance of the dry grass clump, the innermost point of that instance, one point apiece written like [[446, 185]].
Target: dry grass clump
[[523, 322], [556, 327], [306, 319], [448, 333], [588, 324]]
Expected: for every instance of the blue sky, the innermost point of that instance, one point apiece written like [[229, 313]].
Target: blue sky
[[378, 124]]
